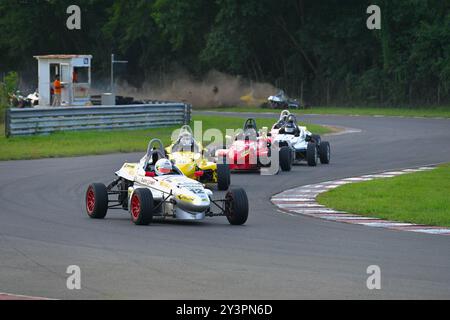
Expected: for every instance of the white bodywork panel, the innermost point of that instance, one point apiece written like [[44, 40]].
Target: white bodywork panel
[[298, 143], [184, 198]]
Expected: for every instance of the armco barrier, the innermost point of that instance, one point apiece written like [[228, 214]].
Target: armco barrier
[[43, 120]]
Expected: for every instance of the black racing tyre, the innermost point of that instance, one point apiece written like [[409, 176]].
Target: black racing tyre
[[285, 158], [223, 177], [141, 207], [316, 138], [97, 201], [311, 154], [236, 206], [264, 161], [222, 159], [324, 152]]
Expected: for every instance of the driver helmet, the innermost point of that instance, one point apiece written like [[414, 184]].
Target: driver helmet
[[290, 128], [291, 119], [290, 125], [163, 166]]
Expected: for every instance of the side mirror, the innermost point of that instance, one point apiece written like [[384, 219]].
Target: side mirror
[[308, 138]]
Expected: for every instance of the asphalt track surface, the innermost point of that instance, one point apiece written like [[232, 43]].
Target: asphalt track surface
[[44, 229]]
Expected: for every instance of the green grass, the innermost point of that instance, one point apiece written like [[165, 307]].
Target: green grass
[[65, 144], [421, 197], [362, 111]]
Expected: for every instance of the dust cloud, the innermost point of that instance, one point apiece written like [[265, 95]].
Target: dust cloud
[[216, 89]]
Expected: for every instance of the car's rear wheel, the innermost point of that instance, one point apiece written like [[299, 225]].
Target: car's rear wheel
[[223, 177], [236, 206], [325, 152], [316, 138], [264, 161], [141, 207], [285, 158], [311, 154], [97, 201]]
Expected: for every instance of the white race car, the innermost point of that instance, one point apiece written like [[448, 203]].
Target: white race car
[[282, 101], [147, 194], [297, 144], [280, 123]]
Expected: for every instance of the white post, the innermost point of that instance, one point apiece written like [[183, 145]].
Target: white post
[[113, 61], [112, 74]]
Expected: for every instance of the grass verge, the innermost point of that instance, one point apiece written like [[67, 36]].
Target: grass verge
[[421, 197], [66, 144], [361, 111]]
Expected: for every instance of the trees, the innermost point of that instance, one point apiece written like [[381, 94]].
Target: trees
[[7, 86], [132, 33], [39, 27], [324, 45]]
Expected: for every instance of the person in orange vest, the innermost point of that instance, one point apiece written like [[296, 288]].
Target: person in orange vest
[[57, 88]]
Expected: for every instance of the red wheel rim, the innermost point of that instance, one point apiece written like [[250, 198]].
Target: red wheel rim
[[135, 207], [90, 201]]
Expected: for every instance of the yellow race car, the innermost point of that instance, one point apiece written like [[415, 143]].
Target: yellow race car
[[189, 156]]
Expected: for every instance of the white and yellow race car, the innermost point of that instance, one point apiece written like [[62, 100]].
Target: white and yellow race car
[[154, 188], [189, 156]]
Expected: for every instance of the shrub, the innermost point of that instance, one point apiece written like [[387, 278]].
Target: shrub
[[7, 86]]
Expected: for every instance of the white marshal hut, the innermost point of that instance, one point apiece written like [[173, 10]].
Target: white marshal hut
[[75, 76]]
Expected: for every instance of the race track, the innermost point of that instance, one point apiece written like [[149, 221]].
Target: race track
[[44, 229]]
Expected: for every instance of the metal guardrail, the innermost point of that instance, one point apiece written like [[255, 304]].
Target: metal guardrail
[[44, 120]]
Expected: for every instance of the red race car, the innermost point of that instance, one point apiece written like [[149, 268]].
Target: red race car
[[250, 150]]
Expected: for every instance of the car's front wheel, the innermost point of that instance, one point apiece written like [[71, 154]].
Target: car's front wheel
[[285, 158], [141, 207], [311, 154], [236, 206], [325, 152], [223, 177], [97, 201]]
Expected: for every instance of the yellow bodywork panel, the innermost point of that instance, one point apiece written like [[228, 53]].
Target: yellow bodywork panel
[[190, 162], [130, 168], [183, 197]]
